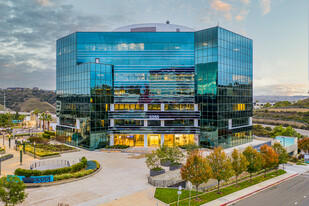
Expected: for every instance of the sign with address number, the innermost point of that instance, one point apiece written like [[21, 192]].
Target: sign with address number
[[154, 117]]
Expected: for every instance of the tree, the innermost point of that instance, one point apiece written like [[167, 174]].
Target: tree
[[36, 113], [270, 157], [49, 119], [220, 165], [12, 190], [267, 105], [254, 159], [303, 144], [196, 170], [239, 163], [283, 155], [42, 118], [153, 161], [174, 155]]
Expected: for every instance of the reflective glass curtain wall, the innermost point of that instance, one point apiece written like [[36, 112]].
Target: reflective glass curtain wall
[[84, 93], [223, 83]]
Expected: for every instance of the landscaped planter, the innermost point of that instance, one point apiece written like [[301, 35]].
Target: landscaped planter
[[175, 166], [165, 163], [156, 172]]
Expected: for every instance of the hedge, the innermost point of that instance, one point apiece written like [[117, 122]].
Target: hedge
[[117, 147], [74, 168]]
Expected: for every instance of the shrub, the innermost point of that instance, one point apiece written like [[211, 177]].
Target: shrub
[[83, 173], [63, 176], [46, 136], [77, 167], [102, 144], [97, 163], [293, 159], [56, 171], [37, 139], [118, 147], [74, 168]]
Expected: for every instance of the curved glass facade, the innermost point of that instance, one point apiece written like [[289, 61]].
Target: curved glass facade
[[157, 87]]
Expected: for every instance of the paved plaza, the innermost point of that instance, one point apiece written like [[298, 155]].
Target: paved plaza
[[122, 180], [121, 175]]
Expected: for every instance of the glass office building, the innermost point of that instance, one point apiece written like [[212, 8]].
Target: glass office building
[[153, 84]]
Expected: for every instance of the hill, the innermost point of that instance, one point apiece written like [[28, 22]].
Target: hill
[[302, 103], [33, 103], [19, 99]]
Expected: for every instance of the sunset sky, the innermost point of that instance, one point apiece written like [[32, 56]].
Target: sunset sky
[[279, 29]]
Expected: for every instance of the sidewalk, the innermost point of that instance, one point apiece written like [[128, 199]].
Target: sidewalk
[[143, 198], [228, 199], [9, 166]]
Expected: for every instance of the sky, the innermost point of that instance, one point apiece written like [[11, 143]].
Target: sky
[[279, 29]]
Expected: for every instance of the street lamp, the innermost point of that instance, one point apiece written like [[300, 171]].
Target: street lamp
[[34, 150], [0, 162], [3, 138], [179, 193], [16, 143], [21, 156], [190, 186]]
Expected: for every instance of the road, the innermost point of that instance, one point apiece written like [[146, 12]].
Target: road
[[292, 192], [300, 131]]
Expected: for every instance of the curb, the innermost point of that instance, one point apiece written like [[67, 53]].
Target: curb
[[268, 186]]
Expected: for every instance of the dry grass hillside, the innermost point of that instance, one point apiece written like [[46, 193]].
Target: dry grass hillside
[[33, 103]]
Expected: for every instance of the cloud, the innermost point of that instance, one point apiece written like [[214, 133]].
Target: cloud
[[28, 33], [242, 14], [281, 89], [223, 7], [245, 1], [265, 6]]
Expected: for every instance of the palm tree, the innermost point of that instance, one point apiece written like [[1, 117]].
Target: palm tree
[[43, 118], [49, 119], [36, 113]]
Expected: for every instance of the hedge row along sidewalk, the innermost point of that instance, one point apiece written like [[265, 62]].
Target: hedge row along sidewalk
[[210, 196]]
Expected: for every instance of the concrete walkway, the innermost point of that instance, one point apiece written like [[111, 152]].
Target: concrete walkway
[[228, 199], [9, 166], [143, 198]]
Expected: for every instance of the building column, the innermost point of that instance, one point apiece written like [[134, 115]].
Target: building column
[[195, 122], [196, 140], [145, 123], [111, 140], [112, 122], [195, 107], [162, 139], [145, 140], [162, 123], [112, 107], [145, 107], [162, 107]]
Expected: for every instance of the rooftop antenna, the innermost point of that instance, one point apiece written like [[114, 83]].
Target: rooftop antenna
[[4, 104], [218, 23]]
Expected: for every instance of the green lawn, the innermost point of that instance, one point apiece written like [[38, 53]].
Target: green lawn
[[170, 195]]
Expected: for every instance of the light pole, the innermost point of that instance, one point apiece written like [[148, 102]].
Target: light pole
[[21, 156], [190, 193], [0, 162], [16, 143], [9, 142], [3, 138], [179, 193], [34, 149]]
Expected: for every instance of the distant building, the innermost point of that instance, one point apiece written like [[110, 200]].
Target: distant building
[[260, 105]]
